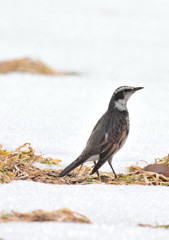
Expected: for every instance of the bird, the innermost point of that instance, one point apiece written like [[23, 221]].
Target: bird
[[108, 135]]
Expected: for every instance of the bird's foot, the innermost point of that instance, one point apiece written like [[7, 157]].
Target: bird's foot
[[115, 176]]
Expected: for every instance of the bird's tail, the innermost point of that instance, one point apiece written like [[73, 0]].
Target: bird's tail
[[72, 166]]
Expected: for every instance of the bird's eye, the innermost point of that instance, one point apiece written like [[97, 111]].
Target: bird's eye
[[127, 90]]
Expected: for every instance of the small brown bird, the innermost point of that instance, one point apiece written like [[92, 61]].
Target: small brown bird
[[109, 133]]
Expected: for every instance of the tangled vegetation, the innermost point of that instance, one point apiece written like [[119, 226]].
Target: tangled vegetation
[[19, 165], [30, 66], [61, 215]]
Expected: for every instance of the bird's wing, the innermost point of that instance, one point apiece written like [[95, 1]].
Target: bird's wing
[[109, 145], [116, 132]]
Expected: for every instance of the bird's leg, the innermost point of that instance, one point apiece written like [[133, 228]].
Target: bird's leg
[[97, 170], [109, 161], [80, 167]]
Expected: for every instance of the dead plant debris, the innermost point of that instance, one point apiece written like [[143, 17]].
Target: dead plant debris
[[19, 165], [152, 226], [30, 66], [158, 168], [61, 215]]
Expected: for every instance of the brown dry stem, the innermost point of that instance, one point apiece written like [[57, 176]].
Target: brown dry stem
[[152, 226], [30, 66], [61, 215]]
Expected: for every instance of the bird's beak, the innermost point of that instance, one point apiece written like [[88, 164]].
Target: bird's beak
[[137, 88]]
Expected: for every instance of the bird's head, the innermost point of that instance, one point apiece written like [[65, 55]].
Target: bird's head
[[122, 94]]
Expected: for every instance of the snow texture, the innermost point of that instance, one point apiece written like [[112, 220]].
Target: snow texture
[[113, 43]]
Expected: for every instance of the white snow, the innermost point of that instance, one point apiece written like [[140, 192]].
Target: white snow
[[113, 43], [114, 210]]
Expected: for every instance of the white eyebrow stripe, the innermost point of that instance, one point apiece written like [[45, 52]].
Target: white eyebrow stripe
[[123, 88]]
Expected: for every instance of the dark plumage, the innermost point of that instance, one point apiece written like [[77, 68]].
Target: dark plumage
[[109, 133]]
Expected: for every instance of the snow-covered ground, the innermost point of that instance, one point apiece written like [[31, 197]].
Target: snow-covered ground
[[112, 43]]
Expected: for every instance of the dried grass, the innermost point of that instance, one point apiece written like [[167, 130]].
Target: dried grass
[[30, 66], [152, 226], [61, 215], [18, 165]]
